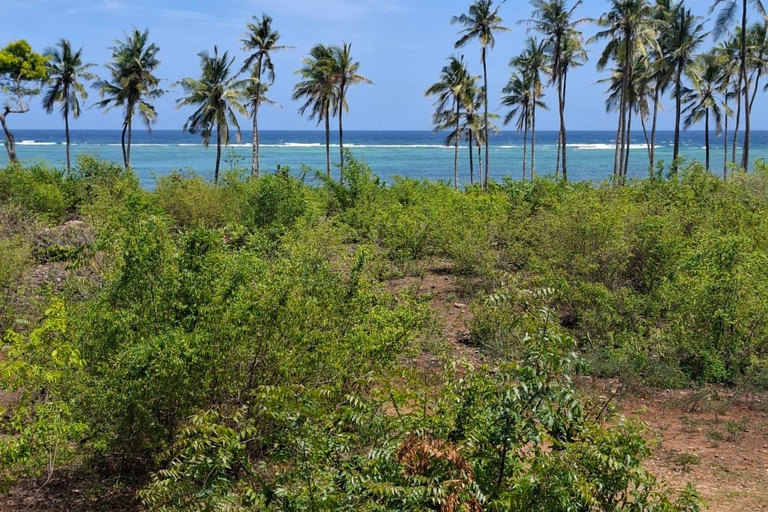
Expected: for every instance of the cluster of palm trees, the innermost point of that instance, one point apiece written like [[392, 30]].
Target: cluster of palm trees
[[651, 49], [218, 95]]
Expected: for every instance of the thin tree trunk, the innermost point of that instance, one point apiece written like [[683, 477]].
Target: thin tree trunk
[[525, 148], [485, 119], [456, 147], [745, 79], [342, 94], [706, 136], [725, 139], [471, 148], [629, 142], [479, 159], [327, 141], [652, 149], [678, 112], [218, 156], [10, 141], [647, 143], [66, 134], [255, 158], [564, 135], [122, 143], [735, 145], [557, 162], [128, 148], [533, 141]]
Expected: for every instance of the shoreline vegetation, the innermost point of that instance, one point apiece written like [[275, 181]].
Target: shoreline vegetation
[[245, 344], [652, 50], [260, 342]]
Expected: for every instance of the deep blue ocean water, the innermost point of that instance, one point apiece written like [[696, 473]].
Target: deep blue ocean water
[[417, 154]]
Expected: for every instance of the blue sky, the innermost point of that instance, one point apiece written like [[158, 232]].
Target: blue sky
[[401, 44]]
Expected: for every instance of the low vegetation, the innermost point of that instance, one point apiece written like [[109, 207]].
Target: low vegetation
[[241, 345]]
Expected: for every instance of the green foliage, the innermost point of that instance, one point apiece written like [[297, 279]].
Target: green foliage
[[19, 64]]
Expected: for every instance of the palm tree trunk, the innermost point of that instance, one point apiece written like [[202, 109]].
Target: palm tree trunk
[[745, 80], [678, 112], [10, 141], [525, 148], [327, 141], [341, 130], [725, 139], [533, 141], [479, 158], [557, 161], [456, 147], [485, 119], [218, 156], [629, 142], [564, 135], [122, 142], [617, 155], [66, 135], [706, 136], [471, 158], [652, 149], [735, 144], [647, 143], [128, 148], [255, 161]]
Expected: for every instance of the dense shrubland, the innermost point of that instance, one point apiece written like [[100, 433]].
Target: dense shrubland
[[240, 343]]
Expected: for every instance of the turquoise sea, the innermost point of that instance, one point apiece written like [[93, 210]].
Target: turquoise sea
[[417, 154]]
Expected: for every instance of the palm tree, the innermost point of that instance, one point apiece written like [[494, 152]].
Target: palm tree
[[473, 126], [725, 19], [629, 29], [132, 85], [217, 95], [728, 88], [554, 20], [452, 91], [518, 97], [261, 40], [318, 90], [531, 64], [482, 23], [757, 44], [345, 71], [702, 100], [65, 70], [686, 35]]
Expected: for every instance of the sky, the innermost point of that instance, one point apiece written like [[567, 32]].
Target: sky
[[401, 45]]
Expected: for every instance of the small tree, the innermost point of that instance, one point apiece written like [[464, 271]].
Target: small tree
[[22, 72]]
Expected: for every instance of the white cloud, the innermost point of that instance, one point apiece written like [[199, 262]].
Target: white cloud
[[331, 10], [112, 7]]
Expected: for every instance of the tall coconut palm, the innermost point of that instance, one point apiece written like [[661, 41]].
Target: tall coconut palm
[[473, 126], [629, 28], [657, 72], [346, 75], [261, 40], [518, 97], [317, 89], [555, 21], [217, 94], [686, 35], [451, 91], [532, 64], [133, 84], [702, 100], [757, 62], [482, 22], [729, 83], [65, 70], [726, 18]]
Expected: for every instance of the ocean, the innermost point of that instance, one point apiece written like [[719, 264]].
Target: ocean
[[416, 154]]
